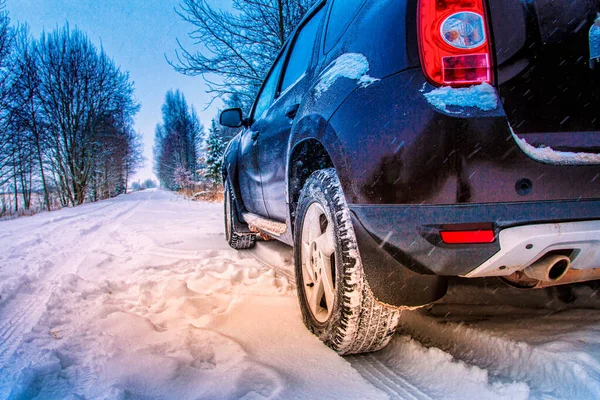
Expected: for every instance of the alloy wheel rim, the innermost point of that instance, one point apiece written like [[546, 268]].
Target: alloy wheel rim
[[318, 262]]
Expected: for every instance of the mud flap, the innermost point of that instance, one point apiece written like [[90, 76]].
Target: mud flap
[[391, 282], [239, 225]]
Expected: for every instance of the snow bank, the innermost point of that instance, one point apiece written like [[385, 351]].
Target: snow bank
[[350, 65], [482, 96], [550, 156], [535, 352]]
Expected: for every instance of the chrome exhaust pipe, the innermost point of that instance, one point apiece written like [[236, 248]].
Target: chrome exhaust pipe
[[550, 268]]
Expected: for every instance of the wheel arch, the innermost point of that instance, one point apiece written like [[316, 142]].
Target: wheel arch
[[313, 146], [307, 156]]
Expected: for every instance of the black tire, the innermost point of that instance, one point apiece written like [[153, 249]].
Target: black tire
[[236, 240], [357, 322]]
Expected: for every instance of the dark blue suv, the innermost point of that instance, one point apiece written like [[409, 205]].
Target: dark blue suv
[[396, 143]]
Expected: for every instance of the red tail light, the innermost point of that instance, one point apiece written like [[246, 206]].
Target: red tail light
[[468, 237], [454, 42]]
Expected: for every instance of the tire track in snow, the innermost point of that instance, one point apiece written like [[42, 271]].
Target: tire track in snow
[[12, 326], [290, 276], [57, 223], [189, 255], [382, 377], [286, 270], [22, 312]]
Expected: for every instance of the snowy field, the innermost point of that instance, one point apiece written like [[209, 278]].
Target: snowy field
[[140, 297]]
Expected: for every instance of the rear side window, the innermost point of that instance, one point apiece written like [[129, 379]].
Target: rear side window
[[302, 51], [265, 99], [341, 16]]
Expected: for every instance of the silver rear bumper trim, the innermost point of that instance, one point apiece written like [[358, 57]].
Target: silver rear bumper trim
[[522, 246]]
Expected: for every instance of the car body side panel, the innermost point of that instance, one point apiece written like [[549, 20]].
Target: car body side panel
[[274, 148], [379, 19], [379, 36], [272, 144], [249, 177]]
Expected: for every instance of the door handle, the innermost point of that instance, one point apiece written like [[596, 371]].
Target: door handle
[[291, 111], [255, 135]]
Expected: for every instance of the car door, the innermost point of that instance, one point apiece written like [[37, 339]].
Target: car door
[[248, 161], [274, 133]]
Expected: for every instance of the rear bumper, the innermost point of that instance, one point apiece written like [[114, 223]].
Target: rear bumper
[[411, 234], [406, 263]]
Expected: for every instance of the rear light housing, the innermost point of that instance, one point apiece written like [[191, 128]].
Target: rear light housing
[[454, 42]]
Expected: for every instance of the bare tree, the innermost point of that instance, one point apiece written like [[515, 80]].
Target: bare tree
[[85, 100], [66, 120], [7, 37], [133, 157], [236, 49], [26, 126]]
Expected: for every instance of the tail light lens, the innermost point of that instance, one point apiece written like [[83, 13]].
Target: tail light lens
[[454, 42]]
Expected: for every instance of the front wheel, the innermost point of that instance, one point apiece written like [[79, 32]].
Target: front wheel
[[336, 301]]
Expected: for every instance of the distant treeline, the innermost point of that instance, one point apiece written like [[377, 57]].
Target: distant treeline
[[147, 184], [177, 144], [66, 121], [186, 158]]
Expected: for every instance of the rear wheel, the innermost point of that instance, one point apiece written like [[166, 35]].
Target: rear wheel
[[236, 240], [336, 302]]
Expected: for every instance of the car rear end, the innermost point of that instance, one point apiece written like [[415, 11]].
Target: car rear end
[[487, 162], [542, 58]]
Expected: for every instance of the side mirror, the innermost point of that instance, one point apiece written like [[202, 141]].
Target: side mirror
[[232, 118]]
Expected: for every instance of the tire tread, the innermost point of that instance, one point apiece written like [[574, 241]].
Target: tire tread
[[363, 325]]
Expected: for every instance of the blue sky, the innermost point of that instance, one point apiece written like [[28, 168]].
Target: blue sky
[[136, 34]]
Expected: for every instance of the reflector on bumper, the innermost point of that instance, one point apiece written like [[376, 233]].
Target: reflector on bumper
[[468, 237]]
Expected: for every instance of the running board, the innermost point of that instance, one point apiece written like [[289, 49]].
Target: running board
[[256, 222]]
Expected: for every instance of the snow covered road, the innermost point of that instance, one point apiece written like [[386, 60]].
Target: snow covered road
[[140, 297]]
